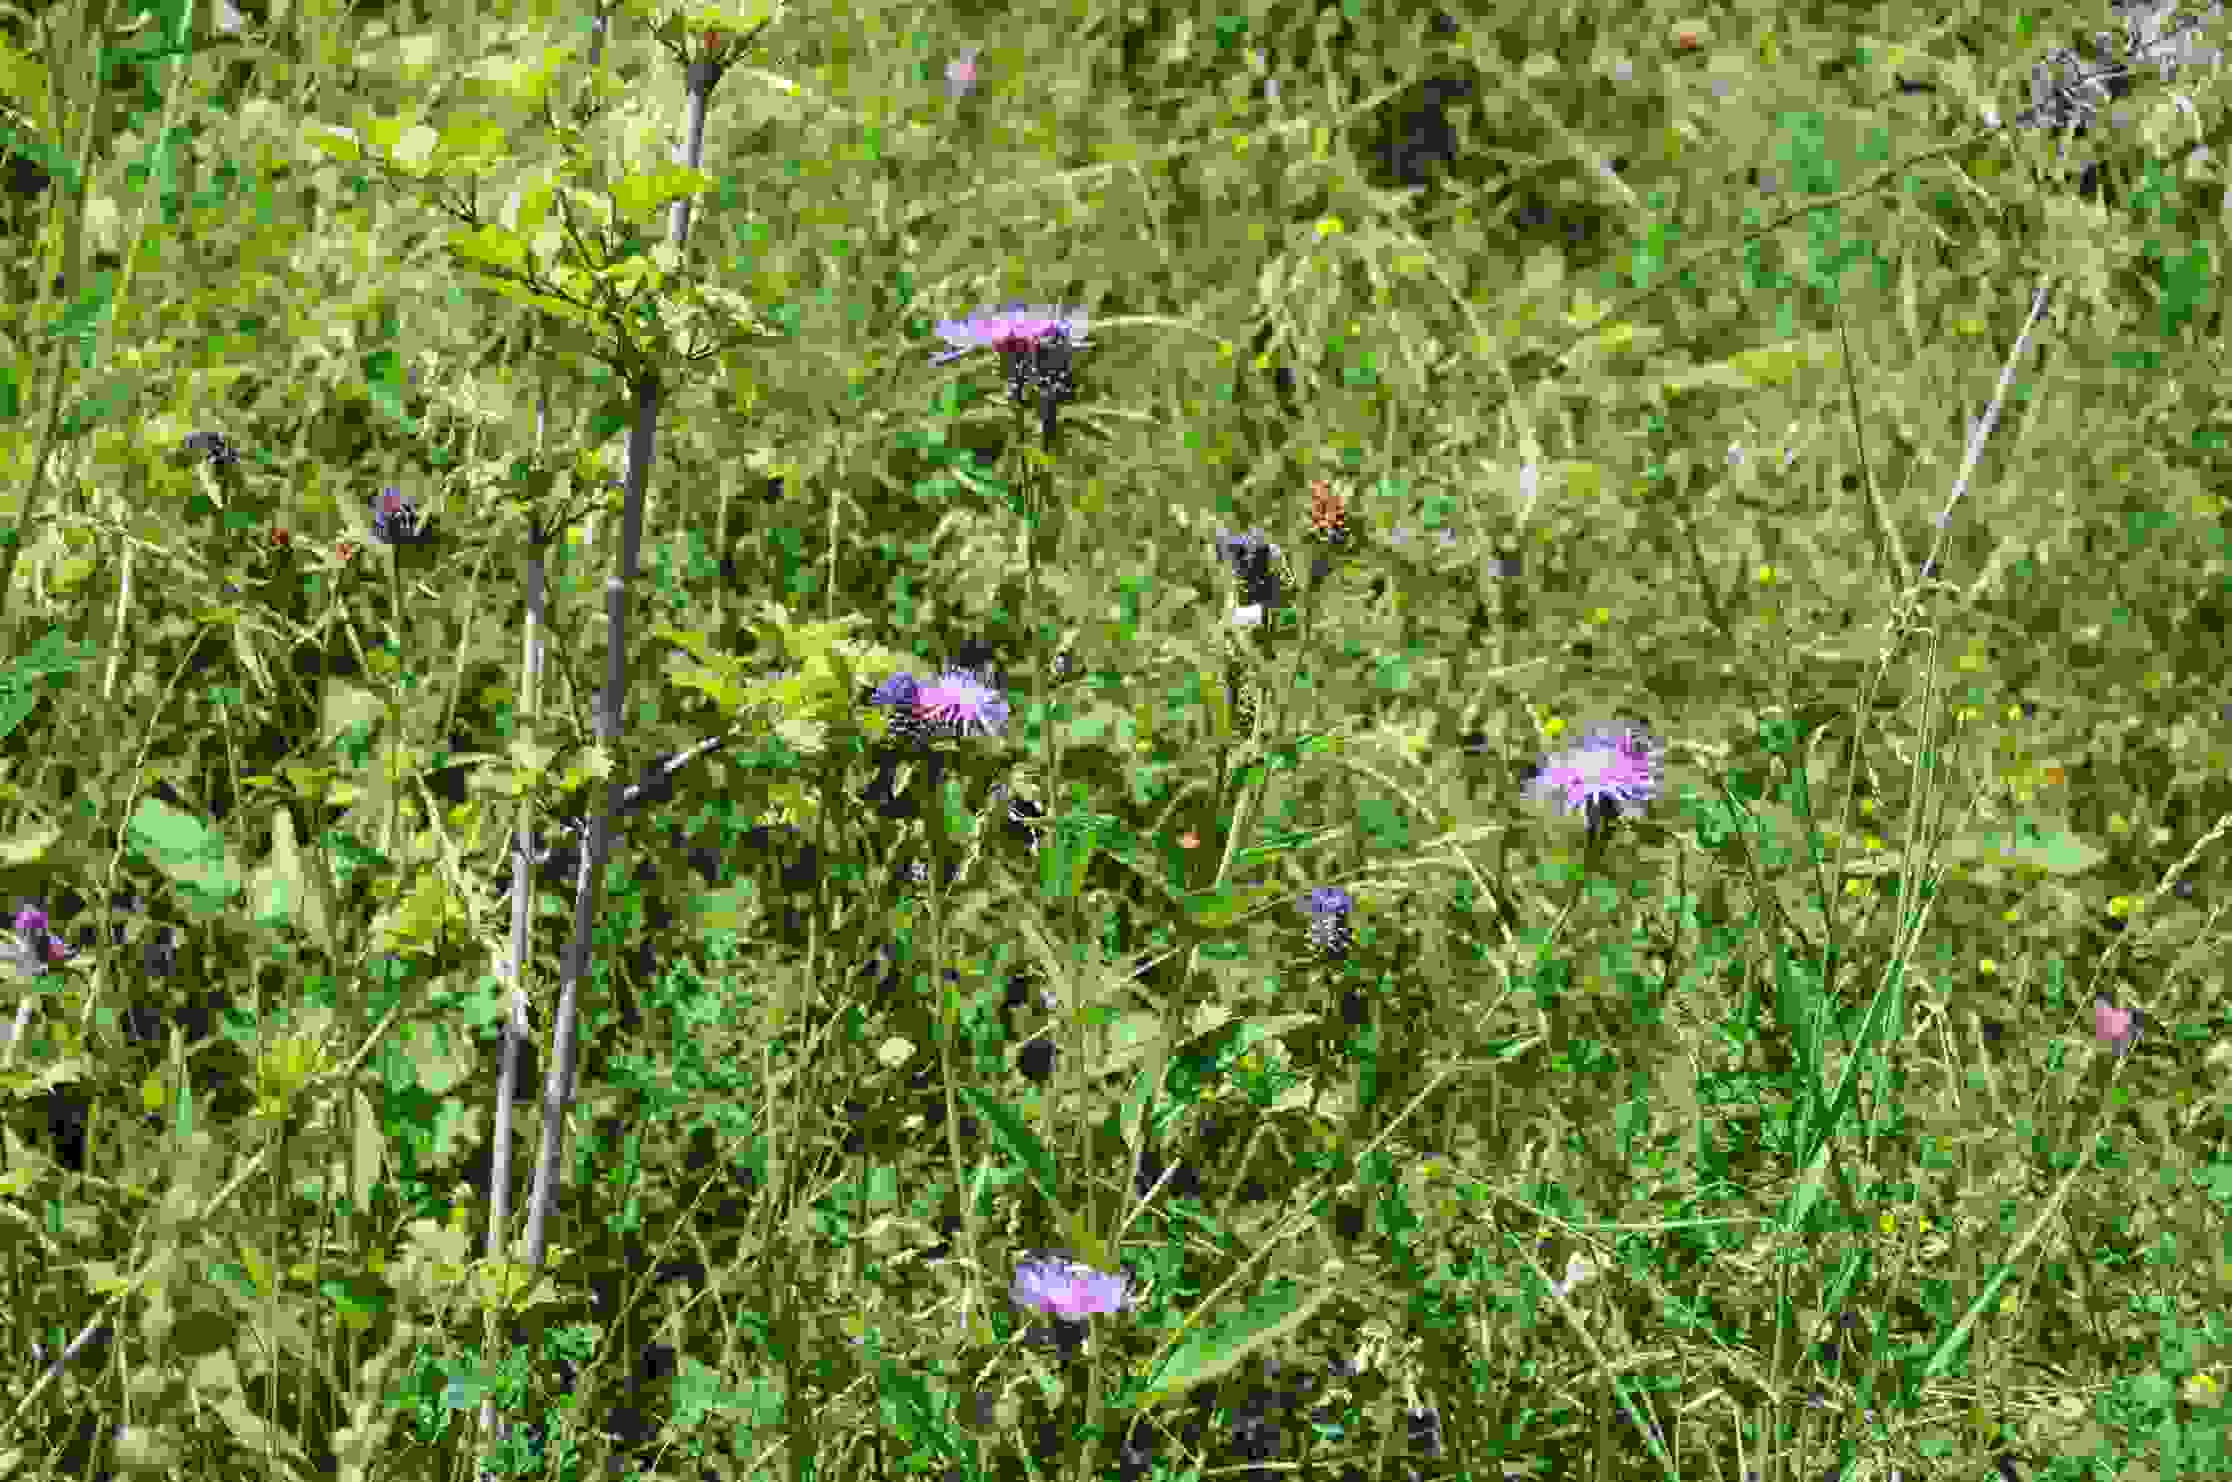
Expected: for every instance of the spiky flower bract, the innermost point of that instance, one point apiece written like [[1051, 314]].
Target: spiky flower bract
[[211, 446], [1612, 772], [395, 518], [897, 695], [1039, 346], [1329, 515], [1259, 568], [1328, 907]]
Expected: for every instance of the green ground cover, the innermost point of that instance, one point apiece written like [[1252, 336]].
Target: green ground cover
[[1235, 741]]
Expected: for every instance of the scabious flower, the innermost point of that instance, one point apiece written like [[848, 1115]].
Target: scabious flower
[[1612, 771], [2115, 1028], [1066, 1289], [1328, 908]]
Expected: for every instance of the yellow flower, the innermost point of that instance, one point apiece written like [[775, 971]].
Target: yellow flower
[[1987, 966]]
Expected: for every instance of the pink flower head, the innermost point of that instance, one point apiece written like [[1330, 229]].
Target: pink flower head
[[961, 73], [1070, 1290], [1612, 771], [1012, 330], [959, 703], [2116, 1028]]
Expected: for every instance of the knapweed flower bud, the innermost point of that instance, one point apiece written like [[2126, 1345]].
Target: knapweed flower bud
[[395, 519], [1328, 907]]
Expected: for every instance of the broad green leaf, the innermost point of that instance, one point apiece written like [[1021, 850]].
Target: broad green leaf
[[191, 854], [1213, 910], [639, 195], [1013, 1133], [426, 917], [1128, 1039], [1775, 365], [280, 890], [908, 1399], [526, 78], [2028, 845], [723, 910], [28, 847], [342, 144], [472, 145], [1221, 1345], [413, 148]]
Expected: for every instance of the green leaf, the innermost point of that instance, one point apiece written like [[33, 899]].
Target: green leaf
[[1213, 910], [280, 891], [1013, 1133], [641, 194], [1218, 1347], [2026, 846], [52, 659], [192, 855], [723, 910], [28, 848], [908, 1398]]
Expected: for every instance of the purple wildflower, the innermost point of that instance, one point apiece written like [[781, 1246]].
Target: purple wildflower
[[959, 702], [36, 947], [1066, 1289], [1328, 908], [2116, 1028], [897, 694], [1039, 345], [1012, 330], [1612, 771], [900, 689], [961, 73]]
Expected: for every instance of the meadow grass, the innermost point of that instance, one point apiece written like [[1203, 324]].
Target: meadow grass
[[1535, 787]]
